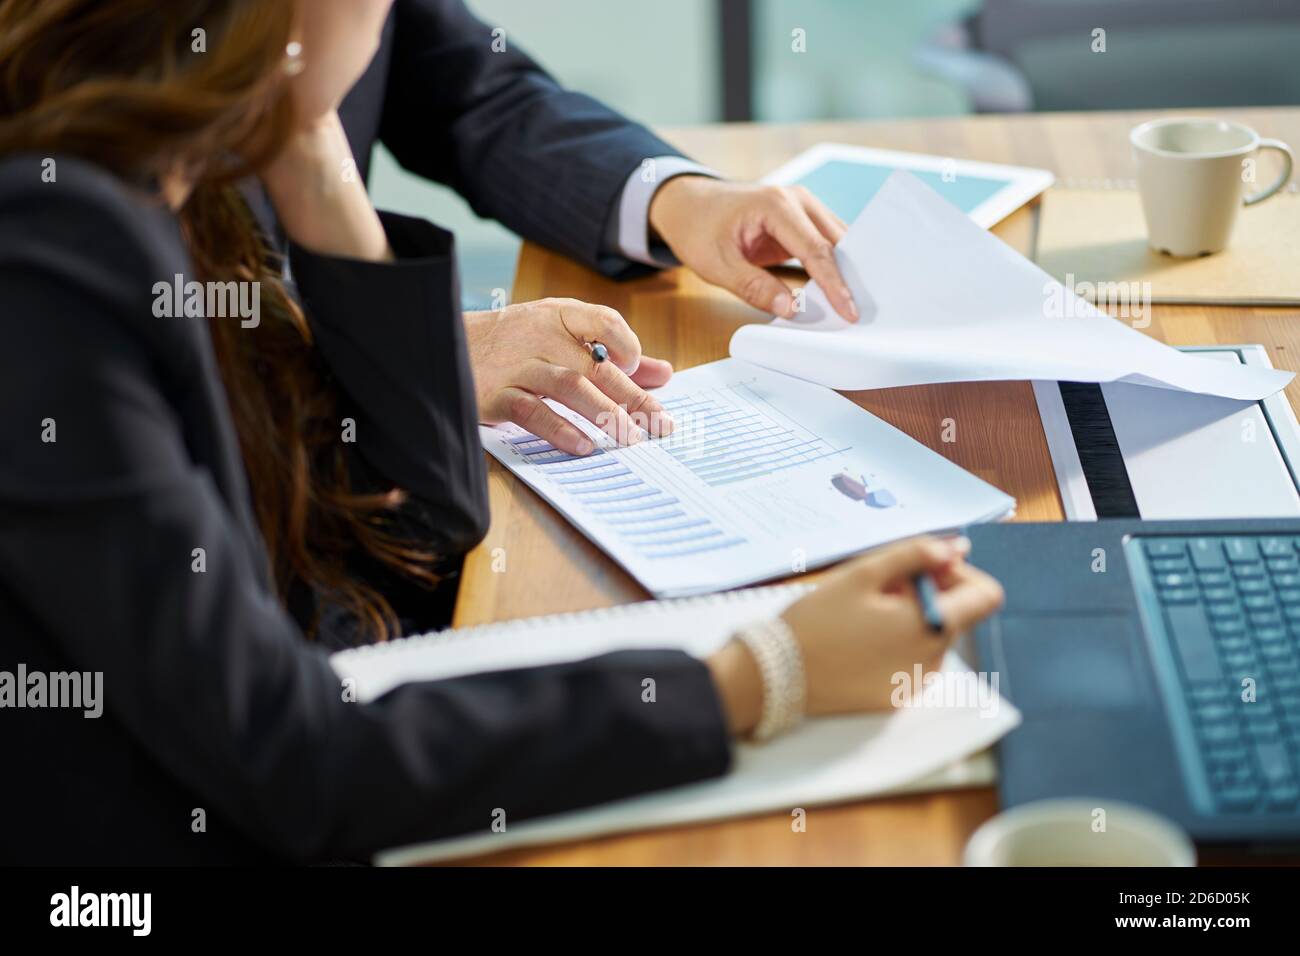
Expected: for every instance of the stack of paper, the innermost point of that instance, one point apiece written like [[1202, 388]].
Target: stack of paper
[[944, 301]]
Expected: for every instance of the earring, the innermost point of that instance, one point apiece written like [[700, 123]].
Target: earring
[[293, 64]]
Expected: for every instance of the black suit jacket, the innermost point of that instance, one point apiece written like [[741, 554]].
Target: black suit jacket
[[548, 163], [213, 700]]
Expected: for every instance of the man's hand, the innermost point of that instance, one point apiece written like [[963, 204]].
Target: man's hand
[[729, 232], [525, 352]]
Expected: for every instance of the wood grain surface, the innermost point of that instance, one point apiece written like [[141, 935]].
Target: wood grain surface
[[550, 567]]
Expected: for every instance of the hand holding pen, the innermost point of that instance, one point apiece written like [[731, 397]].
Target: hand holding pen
[[865, 622], [583, 356]]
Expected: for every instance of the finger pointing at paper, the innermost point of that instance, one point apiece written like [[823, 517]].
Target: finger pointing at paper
[[729, 233]]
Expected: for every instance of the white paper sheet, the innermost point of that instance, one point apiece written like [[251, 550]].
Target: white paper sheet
[[763, 477], [1174, 452], [937, 745], [944, 301]]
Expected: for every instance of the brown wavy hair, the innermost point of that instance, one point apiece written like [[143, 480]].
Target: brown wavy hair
[[122, 85]]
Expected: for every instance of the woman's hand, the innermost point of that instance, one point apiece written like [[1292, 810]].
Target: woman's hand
[[865, 624], [319, 197], [314, 185], [862, 626], [532, 350]]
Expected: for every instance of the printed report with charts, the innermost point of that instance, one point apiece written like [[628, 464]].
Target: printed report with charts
[[763, 476]]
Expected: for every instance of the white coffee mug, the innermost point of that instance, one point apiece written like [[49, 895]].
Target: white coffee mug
[[1191, 174], [1079, 832]]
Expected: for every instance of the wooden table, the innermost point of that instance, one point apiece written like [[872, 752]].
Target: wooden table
[[549, 567]]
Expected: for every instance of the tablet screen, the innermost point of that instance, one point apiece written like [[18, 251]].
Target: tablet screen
[[847, 186]]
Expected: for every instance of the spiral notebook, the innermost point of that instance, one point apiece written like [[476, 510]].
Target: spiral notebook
[[938, 744]]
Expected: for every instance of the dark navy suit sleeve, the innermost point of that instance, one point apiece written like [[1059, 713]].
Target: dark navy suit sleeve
[[203, 670], [547, 162], [391, 335]]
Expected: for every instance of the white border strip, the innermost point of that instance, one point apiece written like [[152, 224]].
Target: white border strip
[[1076, 497]]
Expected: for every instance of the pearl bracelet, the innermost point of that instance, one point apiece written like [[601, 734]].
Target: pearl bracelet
[[780, 663]]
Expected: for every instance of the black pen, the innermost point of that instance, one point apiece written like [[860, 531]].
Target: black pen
[[928, 594]]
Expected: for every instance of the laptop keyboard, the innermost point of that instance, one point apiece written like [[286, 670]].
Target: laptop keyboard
[[1231, 612]]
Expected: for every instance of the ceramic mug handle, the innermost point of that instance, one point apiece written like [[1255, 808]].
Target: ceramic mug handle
[[1287, 162]]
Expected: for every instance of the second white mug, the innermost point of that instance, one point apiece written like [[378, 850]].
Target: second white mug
[[1079, 832]]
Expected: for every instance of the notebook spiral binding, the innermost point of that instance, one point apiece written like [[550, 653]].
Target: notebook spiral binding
[[738, 597]]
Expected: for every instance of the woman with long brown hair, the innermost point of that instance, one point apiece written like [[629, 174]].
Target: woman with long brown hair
[[185, 497]]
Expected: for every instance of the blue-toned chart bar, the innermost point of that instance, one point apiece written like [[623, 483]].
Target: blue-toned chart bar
[[536, 457], [641, 506], [585, 464], [602, 493], [697, 549], [587, 478], [714, 440], [699, 534], [650, 518], [774, 468], [658, 527], [740, 450], [692, 439], [727, 459], [647, 491]]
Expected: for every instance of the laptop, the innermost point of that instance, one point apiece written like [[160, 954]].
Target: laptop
[[1156, 663]]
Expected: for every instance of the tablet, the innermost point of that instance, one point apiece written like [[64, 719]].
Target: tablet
[[846, 177]]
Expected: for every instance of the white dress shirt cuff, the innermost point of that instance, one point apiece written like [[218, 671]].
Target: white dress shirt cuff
[[632, 218]]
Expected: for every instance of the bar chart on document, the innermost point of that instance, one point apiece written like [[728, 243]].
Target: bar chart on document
[[763, 476]]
